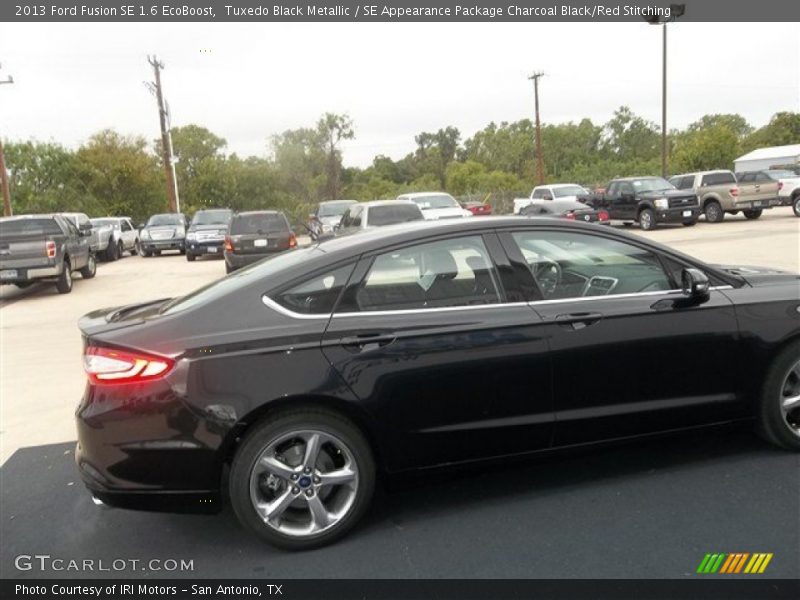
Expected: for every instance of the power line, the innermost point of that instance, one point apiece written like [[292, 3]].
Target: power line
[[539, 158]]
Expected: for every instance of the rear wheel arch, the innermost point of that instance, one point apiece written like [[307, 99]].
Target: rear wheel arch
[[327, 404]]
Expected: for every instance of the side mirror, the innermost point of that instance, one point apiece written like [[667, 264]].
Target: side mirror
[[695, 284]]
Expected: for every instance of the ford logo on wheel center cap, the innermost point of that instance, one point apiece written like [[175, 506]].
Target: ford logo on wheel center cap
[[304, 482]]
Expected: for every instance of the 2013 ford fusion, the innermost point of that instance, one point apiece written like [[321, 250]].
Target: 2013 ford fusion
[[290, 384]]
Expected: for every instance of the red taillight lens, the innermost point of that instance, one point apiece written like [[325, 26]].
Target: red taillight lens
[[228, 244], [603, 215], [51, 249], [734, 191], [292, 241], [570, 216], [111, 366]]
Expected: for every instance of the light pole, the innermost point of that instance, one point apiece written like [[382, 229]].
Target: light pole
[[7, 211], [675, 11]]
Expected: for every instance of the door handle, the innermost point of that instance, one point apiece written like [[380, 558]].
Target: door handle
[[364, 342], [577, 321]]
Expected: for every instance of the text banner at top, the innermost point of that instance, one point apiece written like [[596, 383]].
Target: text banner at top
[[370, 11]]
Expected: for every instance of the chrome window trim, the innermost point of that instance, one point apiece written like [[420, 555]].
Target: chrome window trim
[[270, 303]]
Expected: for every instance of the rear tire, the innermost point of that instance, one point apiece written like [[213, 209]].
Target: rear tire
[[752, 214], [285, 436], [647, 219], [713, 212], [781, 383], [110, 253], [90, 270], [64, 282], [190, 257], [120, 250], [796, 205]]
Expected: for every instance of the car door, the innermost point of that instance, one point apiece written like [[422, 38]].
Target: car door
[[77, 245], [452, 364], [128, 234], [630, 354], [747, 187], [766, 189]]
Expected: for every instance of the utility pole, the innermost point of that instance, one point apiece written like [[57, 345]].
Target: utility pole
[[539, 158], [7, 210], [166, 152]]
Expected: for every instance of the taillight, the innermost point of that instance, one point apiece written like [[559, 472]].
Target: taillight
[[570, 215], [111, 366], [228, 243], [603, 215], [734, 191], [51, 249], [292, 241]]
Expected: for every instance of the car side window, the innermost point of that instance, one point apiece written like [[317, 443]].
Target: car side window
[[126, 226], [355, 217], [73, 230], [575, 265], [747, 178], [762, 177], [539, 193], [612, 189], [448, 273], [625, 188], [316, 296]]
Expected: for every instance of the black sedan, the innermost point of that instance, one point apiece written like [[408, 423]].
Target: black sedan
[[565, 209], [291, 383]]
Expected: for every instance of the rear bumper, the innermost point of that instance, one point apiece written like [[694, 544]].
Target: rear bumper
[[677, 215], [759, 204], [27, 274], [242, 260]]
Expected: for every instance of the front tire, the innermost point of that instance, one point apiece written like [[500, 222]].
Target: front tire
[[779, 411], [110, 253], [796, 205], [647, 219], [714, 212], [90, 270], [64, 282], [190, 257], [752, 214], [302, 478]]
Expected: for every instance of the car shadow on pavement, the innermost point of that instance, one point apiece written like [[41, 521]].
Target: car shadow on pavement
[[647, 502]]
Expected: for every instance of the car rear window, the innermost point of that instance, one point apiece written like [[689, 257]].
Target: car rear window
[[18, 227], [718, 179], [393, 213], [259, 223]]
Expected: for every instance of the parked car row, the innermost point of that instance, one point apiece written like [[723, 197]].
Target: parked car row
[[683, 198]]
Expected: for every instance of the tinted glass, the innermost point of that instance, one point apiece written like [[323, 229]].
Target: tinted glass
[[572, 190], [393, 213], [456, 272], [165, 219], [762, 177], [435, 201], [211, 217], [652, 184], [540, 193], [29, 227], [318, 295], [719, 179], [575, 265], [747, 177], [259, 223]]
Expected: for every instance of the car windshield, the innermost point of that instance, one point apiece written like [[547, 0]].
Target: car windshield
[[391, 214], [435, 201], [105, 223], [211, 217], [259, 223], [334, 209], [568, 190], [262, 270], [165, 219], [652, 184]]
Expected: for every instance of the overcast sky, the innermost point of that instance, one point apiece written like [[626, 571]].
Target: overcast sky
[[247, 82]]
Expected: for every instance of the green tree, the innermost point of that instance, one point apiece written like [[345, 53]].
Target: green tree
[[783, 129], [331, 130], [628, 136], [42, 178]]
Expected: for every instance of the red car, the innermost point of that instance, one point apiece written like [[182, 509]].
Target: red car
[[477, 208]]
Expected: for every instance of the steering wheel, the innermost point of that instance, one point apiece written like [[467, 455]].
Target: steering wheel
[[547, 274]]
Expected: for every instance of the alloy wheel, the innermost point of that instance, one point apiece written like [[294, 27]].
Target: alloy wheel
[[304, 482], [790, 399]]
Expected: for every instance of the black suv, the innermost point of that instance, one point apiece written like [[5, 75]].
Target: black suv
[[206, 233], [648, 201], [254, 235]]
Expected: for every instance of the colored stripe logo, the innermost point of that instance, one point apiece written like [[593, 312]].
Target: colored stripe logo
[[737, 562]]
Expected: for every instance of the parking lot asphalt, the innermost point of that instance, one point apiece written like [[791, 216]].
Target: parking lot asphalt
[[647, 510]]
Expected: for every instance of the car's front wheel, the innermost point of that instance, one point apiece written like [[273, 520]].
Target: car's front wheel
[[302, 478], [796, 205], [64, 281], [779, 415], [713, 212], [647, 219], [90, 270]]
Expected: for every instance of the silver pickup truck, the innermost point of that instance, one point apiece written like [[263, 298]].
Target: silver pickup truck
[[115, 237], [44, 248]]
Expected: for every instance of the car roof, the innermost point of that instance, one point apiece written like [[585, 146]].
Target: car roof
[[385, 203], [421, 194], [39, 216], [700, 173], [338, 202], [637, 178], [559, 185], [258, 212]]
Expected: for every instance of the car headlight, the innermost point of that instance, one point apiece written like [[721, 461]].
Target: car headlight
[[191, 236], [145, 235], [662, 203]]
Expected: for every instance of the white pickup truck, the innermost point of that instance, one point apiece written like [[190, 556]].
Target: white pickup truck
[[555, 191], [788, 188]]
